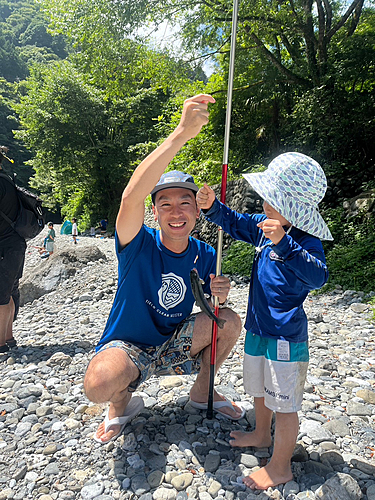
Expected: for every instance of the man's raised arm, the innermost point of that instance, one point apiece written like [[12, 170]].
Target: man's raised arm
[[131, 214]]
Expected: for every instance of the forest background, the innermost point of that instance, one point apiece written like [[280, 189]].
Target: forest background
[[86, 91]]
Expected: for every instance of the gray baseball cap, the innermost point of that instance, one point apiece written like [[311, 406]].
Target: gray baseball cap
[[175, 179]]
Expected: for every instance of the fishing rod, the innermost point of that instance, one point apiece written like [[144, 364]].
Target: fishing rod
[[224, 176]]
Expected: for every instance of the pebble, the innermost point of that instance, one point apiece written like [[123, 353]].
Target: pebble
[[170, 451]]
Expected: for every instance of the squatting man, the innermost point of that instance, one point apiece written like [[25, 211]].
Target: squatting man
[[150, 329]]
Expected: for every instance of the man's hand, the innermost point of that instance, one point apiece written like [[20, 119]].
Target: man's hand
[[131, 214], [194, 115], [205, 197], [220, 287], [273, 230]]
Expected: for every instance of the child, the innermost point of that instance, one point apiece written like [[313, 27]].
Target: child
[[74, 230], [49, 240], [289, 262]]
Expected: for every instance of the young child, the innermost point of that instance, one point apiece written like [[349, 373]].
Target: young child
[[74, 230], [49, 240], [289, 262]]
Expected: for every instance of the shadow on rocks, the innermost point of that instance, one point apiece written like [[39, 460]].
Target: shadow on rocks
[[58, 354]]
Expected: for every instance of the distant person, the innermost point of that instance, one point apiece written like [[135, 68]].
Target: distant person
[[103, 225], [74, 230], [12, 258], [92, 231], [288, 264], [151, 329], [42, 252], [49, 240]]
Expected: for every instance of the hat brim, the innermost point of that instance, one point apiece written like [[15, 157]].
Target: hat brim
[[306, 218], [170, 185]]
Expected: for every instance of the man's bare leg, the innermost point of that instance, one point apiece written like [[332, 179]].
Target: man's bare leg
[[278, 470], [107, 379], [6, 322], [260, 437], [226, 339]]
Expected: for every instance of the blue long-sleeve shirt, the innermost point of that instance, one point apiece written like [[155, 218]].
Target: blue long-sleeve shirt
[[282, 274]]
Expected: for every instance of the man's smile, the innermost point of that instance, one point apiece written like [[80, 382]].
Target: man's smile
[[177, 224]]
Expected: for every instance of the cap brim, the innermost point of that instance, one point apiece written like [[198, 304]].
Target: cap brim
[[170, 185]]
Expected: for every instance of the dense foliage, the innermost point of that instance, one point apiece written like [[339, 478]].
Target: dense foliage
[[238, 259], [86, 93], [85, 142]]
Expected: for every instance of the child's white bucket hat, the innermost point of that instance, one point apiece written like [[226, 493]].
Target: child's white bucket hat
[[294, 184]]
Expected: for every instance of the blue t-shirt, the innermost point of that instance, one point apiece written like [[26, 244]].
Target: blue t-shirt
[[154, 293], [281, 277]]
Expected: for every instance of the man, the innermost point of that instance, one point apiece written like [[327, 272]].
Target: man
[[150, 329], [12, 258]]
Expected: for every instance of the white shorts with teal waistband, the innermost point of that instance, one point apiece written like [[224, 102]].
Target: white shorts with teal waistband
[[275, 369]]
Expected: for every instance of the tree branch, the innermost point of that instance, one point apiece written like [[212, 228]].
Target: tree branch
[[311, 43], [296, 58], [355, 4], [291, 77], [355, 19], [329, 15], [299, 22], [237, 89]]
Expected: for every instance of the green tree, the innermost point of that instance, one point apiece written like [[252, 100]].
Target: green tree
[[22, 24], [294, 36], [8, 123], [23, 41], [100, 34], [85, 142]]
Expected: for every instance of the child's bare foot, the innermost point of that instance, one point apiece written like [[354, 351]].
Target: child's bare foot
[[243, 439], [267, 477]]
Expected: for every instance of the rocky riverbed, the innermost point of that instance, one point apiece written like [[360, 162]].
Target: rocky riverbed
[[170, 450]]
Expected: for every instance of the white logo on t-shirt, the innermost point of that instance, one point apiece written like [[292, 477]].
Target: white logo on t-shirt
[[172, 291]]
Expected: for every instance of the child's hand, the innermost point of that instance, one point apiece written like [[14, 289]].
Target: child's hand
[[205, 197], [272, 229]]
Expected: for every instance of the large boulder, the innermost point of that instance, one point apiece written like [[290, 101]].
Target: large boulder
[[63, 264]]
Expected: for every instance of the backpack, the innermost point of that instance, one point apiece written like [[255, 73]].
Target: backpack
[[31, 217]]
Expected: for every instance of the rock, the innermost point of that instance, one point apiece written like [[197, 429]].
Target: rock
[[59, 359], [50, 273], [339, 487], [366, 395], [164, 494], [182, 481]]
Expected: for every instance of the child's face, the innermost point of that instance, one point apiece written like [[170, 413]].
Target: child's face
[[274, 214]]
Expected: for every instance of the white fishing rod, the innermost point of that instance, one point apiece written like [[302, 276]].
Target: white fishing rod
[[224, 176]]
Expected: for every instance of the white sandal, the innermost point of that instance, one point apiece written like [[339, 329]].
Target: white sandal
[[134, 407]]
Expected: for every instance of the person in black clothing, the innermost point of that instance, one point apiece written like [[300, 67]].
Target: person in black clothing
[[12, 258]]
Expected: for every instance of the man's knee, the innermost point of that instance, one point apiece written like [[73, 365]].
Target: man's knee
[[96, 378], [109, 371], [233, 324], [100, 375], [232, 327]]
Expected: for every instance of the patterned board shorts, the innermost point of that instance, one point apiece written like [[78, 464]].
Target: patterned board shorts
[[171, 358]]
